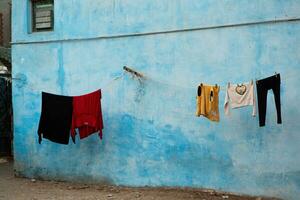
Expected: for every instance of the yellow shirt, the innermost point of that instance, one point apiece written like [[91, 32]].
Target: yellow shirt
[[208, 102]]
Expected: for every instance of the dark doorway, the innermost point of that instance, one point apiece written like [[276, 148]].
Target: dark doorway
[[6, 135]]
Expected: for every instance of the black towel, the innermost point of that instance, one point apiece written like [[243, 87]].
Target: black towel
[[56, 118]]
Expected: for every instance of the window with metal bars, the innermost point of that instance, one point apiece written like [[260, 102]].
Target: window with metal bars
[[42, 15]]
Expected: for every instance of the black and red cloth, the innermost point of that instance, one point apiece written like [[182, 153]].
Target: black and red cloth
[[61, 116]]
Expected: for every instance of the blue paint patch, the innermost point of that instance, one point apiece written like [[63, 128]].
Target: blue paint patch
[[21, 80], [60, 71]]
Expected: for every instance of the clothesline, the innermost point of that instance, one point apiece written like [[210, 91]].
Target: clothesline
[[146, 77], [110, 83], [32, 87], [141, 79]]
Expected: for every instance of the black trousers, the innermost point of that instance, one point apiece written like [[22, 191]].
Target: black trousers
[[263, 86]]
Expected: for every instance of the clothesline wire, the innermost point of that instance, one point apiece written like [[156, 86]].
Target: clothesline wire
[[110, 83], [106, 86], [144, 78]]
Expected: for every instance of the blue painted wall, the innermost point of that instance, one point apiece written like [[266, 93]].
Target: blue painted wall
[[151, 134]]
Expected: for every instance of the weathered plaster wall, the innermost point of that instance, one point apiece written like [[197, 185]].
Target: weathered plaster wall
[[151, 135]]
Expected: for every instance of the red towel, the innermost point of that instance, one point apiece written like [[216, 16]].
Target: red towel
[[87, 115]]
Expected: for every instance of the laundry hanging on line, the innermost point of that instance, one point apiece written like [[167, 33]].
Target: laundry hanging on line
[[56, 118], [263, 85], [239, 89], [62, 115], [87, 115], [207, 106], [237, 96], [208, 102], [240, 95]]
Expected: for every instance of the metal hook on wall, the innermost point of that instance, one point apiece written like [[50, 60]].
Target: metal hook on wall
[[133, 72]]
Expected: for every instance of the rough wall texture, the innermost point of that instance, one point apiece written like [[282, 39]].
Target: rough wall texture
[[151, 135]]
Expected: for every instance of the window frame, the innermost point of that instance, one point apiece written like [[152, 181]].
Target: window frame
[[33, 10]]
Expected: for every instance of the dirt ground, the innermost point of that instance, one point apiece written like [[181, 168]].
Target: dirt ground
[[13, 188]]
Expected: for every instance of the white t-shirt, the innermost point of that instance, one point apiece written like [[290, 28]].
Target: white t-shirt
[[240, 95]]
